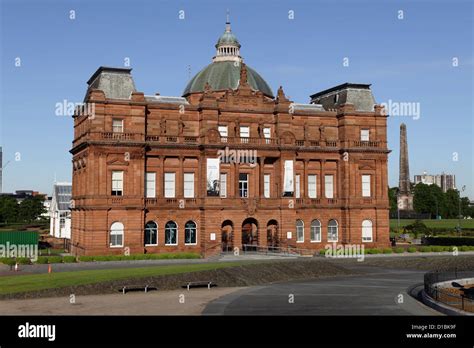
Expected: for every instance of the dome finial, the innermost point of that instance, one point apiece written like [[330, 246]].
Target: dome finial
[[227, 22]]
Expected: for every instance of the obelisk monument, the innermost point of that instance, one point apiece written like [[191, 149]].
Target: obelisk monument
[[405, 197]]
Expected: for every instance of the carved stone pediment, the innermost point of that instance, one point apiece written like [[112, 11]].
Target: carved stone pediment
[[287, 138], [213, 135], [118, 161]]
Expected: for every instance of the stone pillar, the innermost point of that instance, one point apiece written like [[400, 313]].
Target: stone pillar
[[321, 178]]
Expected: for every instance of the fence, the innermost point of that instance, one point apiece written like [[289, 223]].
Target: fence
[[450, 296]]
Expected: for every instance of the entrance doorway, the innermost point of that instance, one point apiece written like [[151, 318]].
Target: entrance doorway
[[250, 234], [273, 237], [227, 232]]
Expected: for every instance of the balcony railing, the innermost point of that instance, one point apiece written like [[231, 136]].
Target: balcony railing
[[241, 141]]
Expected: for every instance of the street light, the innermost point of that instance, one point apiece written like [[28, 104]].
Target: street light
[[459, 215]]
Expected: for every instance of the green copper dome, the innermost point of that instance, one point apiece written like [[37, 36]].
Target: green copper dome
[[225, 75], [228, 39]]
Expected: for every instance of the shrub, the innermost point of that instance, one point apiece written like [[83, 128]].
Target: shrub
[[86, 258], [425, 249], [437, 248], [387, 251], [69, 259], [399, 250], [42, 260], [411, 250], [8, 261], [373, 251], [464, 248], [23, 260], [55, 259], [450, 240], [322, 252]]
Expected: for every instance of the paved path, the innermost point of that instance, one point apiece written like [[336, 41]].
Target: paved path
[[375, 293], [132, 303]]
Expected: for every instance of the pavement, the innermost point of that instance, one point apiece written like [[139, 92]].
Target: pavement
[[379, 292], [228, 257], [176, 302]]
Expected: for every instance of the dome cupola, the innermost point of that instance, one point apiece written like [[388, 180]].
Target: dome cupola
[[225, 70]]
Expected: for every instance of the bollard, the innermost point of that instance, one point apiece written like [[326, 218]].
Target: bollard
[[50, 270], [16, 267]]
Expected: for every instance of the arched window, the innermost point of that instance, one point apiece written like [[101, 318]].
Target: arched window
[[332, 231], [367, 231], [151, 233], [116, 235], [299, 231], [315, 231], [171, 233], [190, 233]]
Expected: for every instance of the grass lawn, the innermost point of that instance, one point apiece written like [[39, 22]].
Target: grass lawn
[[448, 223], [33, 282]]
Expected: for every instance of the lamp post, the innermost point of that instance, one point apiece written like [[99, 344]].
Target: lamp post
[[459, 211]]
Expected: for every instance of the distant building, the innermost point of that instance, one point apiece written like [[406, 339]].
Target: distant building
[[445, 181], [20, 195], [47, 206], [60, 211]]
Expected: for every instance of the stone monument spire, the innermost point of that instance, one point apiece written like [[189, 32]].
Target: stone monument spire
[[405, 198], [404, 175]]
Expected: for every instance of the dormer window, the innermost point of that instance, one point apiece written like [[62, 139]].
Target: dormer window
[[117, 125], [364, 135]]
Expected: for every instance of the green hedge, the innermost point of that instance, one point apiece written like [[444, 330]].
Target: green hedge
[[387, 251], [55, 259], [69, 259], [455, 241], [8, 261], [411, 250], [399, 250], [139, 257]]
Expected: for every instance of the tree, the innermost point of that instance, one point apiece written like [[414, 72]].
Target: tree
[[31, 208], [8, 209], [452, 204], [392, 197], [465, 209], [418, 227], [428, 199]]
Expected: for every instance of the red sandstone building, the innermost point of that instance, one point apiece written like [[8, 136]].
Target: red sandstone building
[[226, 165]]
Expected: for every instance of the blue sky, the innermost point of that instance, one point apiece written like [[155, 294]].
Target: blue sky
[[405, 60]]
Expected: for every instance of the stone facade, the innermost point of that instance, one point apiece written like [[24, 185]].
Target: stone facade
[[153, 134]]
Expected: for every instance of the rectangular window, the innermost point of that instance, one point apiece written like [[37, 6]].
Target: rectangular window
[[267, 134], [188, 185], [150, 185], [117, 125], [329, 186], [364, 135], [244, 134], [266, 185], [223, 185], [170, 184], [312, 193], [298, 187], [223, 131], [243, 185], [365, 185], [117, 183]]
